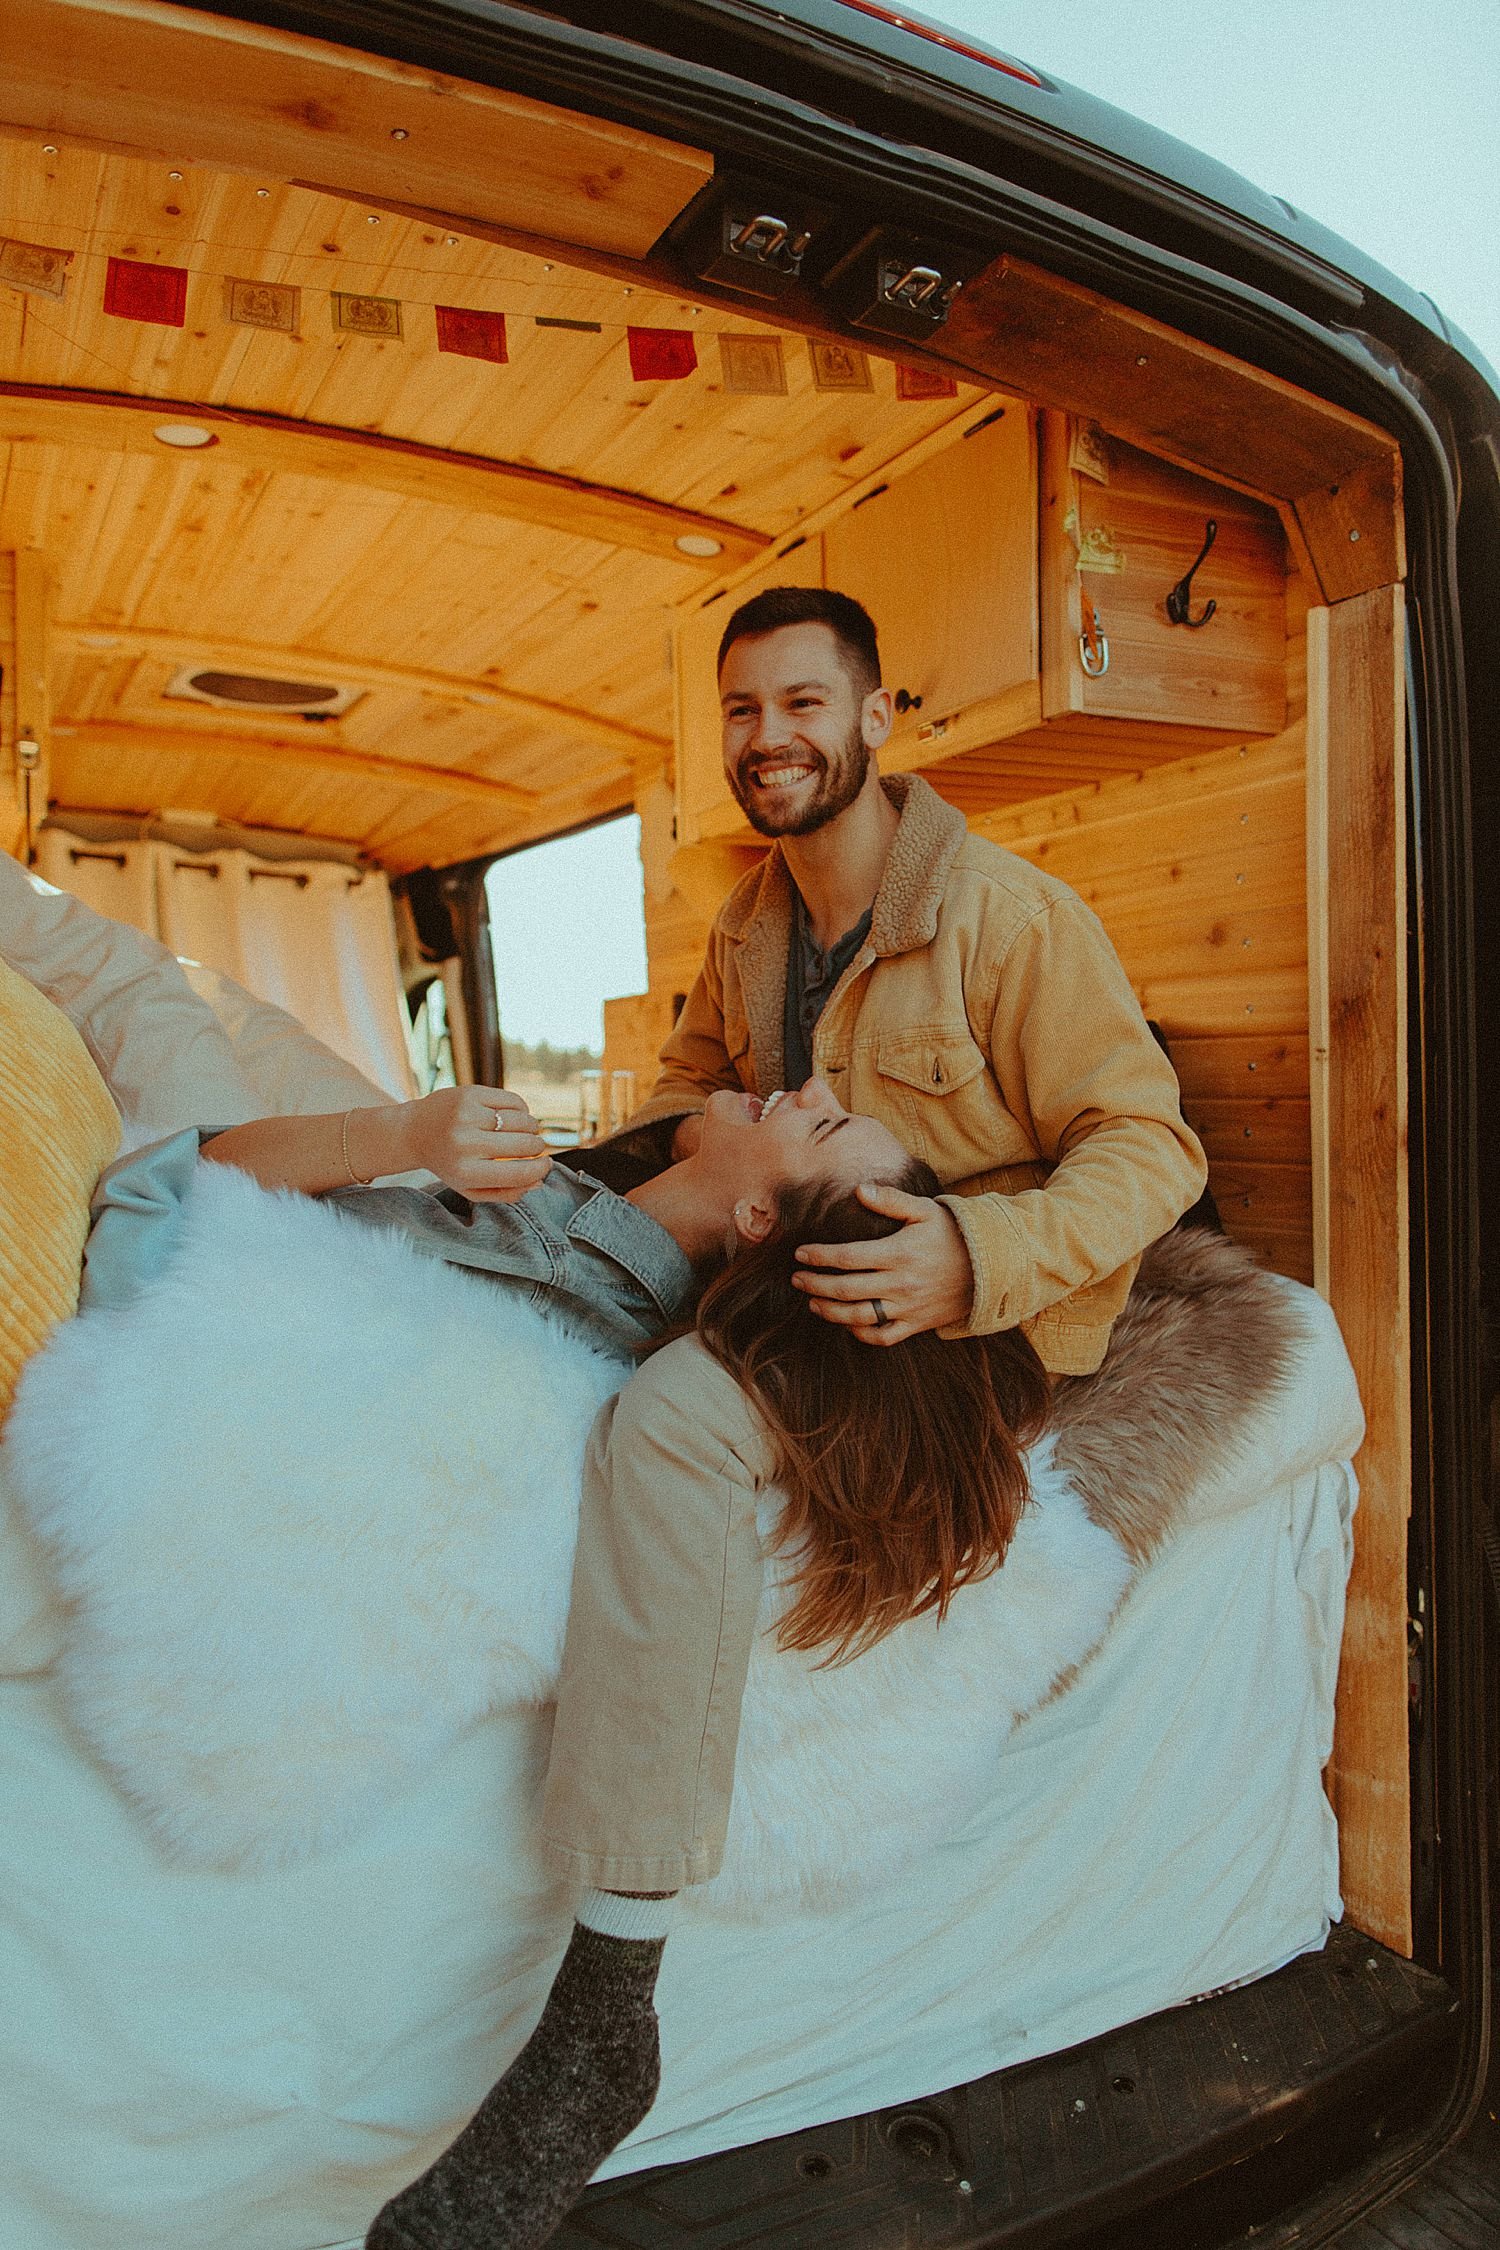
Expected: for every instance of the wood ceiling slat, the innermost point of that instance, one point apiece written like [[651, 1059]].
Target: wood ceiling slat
[[114, 422], [291, 107]]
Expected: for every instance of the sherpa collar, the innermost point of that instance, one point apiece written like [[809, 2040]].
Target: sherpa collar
[[907, 904]]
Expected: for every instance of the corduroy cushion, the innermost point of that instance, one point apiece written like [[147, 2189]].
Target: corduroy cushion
[[58, 1130]]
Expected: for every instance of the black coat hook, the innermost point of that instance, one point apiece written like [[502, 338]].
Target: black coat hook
[[1180, 599]]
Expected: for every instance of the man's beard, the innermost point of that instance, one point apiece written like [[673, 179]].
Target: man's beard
[[834, 791]]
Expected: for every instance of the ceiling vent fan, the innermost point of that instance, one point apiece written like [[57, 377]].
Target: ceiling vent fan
[[258, 691]]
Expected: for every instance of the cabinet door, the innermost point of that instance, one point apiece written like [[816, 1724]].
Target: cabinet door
[[705, 806], [1118, 534], [944, 559]]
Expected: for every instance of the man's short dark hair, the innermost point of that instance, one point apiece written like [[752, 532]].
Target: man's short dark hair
[[849, 622]]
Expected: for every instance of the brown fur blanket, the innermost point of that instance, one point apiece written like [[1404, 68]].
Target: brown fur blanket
[[1204, 1342]]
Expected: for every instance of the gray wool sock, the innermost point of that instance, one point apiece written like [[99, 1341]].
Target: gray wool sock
[[584, 2079]]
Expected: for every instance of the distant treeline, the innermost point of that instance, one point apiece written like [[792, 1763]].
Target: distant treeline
[[556, 1064]]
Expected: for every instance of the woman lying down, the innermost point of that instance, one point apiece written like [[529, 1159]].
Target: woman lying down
[[668, 1575], [859, 1449]]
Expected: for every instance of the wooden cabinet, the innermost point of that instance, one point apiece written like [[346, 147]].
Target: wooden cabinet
[[1119, 530], [705, 806], [944, 559], [1018, 579]]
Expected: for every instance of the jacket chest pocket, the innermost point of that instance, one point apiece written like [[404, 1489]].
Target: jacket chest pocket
[[943, 1102], [937, 1063]]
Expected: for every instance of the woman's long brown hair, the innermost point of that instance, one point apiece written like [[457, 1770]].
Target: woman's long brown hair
[[903, 1467]]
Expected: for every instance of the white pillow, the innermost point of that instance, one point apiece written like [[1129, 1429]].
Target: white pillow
[[171, 1055]]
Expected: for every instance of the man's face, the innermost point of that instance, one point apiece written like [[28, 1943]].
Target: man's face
[[751, 1155], [797, 733]]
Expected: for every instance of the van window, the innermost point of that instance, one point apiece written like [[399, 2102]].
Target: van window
[[568, 932]]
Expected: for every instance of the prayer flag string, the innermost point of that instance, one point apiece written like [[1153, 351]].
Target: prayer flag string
[[750, 365]]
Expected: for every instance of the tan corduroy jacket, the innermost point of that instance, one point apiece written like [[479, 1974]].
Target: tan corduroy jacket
[[987, 1021]]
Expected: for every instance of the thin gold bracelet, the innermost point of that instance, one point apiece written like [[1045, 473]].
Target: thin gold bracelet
[[354, 1178]]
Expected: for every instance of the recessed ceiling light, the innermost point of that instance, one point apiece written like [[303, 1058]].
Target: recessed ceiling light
[[698, 543], [186, 435]]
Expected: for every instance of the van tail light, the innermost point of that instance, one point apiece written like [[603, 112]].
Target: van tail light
[[919, 29]]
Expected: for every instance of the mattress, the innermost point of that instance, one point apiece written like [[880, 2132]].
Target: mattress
[[201, 2061]]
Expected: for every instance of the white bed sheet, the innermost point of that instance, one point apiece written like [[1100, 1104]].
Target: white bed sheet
[[217, 2062]]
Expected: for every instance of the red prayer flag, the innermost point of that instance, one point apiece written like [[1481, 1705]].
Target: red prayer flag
[[923, 382], [473, 335], [661, 355], [133, 291]]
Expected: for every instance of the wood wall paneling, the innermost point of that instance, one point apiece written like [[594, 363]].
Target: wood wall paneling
[[25, 694], [12, 816], [1357, 876], [1197, 871]]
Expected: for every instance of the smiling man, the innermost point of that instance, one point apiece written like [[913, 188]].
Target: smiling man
[[970, 1002]]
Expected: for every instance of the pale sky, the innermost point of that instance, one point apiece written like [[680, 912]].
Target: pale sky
[[1375, 117], [568, 932]]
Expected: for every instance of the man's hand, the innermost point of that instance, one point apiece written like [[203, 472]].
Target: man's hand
[[919, 1278], [478, 1139]]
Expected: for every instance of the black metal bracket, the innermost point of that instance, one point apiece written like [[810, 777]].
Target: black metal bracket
[[1180, 599]]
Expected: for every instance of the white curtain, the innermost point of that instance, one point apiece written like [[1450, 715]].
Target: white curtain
[[313, 936]]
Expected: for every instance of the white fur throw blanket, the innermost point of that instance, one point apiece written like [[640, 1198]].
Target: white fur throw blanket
[[312, 1498]]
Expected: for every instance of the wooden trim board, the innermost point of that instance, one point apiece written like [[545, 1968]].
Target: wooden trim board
[[407, 777], [1059, 345], [196, 88], [282, 660], [116, 422], [1357, 924]]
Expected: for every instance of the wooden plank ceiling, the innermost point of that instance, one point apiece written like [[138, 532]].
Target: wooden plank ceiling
[[504, 615]]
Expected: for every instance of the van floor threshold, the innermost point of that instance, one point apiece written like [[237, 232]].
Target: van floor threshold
[[1047, 2152], [1455, 2205]]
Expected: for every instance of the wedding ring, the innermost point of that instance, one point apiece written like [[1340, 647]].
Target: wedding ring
[[882, 1317]]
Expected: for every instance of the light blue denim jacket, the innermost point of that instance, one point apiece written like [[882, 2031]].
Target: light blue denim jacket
[[618, 1277]]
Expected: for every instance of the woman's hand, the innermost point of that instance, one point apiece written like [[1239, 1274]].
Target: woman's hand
[[480, 1140]]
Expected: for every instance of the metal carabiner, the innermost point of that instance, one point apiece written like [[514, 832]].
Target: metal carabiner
[[1093, 645]]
